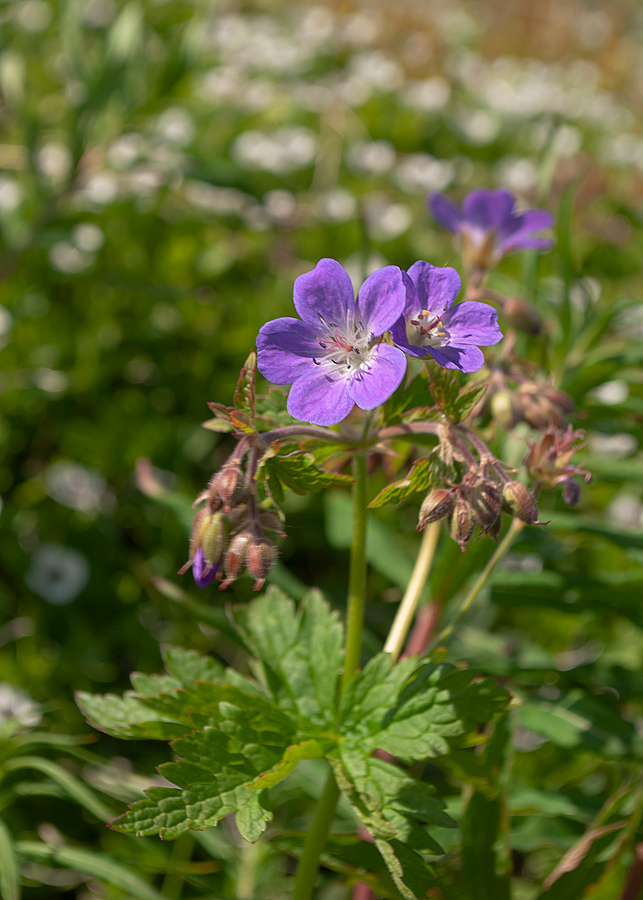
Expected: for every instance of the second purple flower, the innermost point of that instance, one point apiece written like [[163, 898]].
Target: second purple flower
[[332, 355], [452, 335]]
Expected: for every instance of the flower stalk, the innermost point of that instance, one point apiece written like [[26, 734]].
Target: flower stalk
[[309, 863]]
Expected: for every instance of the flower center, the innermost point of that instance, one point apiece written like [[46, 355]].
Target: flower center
[[346, 347], [425, 330]]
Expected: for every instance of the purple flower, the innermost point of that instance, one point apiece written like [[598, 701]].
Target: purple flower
[[203, 576], [489, 226], [429, 324], [332, 357]]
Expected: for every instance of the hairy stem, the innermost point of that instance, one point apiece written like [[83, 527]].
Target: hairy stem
[[514, 529], [288, 432], [406, 611], [309, 863]]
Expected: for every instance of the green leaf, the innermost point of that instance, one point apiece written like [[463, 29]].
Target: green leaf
[[299, 472], [188, 666], [125, 717], [466, 400], [271, 409], [481, 827], [301, 655], [305, 750], [95, 865], [419, 478], [444, 387], [72, 787], [244, 395], [9, 867]]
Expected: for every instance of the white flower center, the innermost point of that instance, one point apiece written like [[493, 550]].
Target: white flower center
[[425, 330], [346, 348]]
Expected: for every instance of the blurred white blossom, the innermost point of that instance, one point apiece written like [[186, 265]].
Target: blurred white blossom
[[57, 574], [18, 704]]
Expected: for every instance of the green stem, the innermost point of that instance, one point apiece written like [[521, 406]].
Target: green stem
[[309, 863], [356, 574], [514, 529], [403, 619]]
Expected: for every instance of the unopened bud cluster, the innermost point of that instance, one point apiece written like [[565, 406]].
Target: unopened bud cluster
[[484, 492], [550, 460], [229, 533]]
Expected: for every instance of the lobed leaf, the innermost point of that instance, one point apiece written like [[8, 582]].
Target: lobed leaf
[[244, 395]]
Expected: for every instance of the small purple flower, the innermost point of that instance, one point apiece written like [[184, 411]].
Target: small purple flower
[[489, 226], [203, 576], [430, 324], [332, 356]]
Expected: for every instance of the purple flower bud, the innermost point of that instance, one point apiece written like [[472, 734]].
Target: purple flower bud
[[435, 505], [519, 502], [571, 492], [203, 573]]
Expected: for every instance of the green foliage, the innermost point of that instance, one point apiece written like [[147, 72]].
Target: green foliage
[[240, 737], [297, 471]]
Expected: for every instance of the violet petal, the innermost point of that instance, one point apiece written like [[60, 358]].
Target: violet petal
[[472, 322], [488, 209], [317, 398], [373, 384], [326, 291], [436, 286], [199, 567], [445, 212], [286, 349], [381, 299], [466, 358]]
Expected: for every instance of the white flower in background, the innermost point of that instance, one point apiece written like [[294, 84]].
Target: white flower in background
[[223, 201], [478, 126], [285, 150], [377, 70], [51, 380], [88, 237], [427, 95], [99, 13], [224, 84], [421, 172], [336, 205], [17, 704], [100, 189], [361, 28], [57, 574], [33, 15], [6, 324], [372, 157], [176, 126], [387, 220], [280, 205], [625, 509], [10, 194], [125, 150], [613, 446], [68, 258], [518, 174], [75, 486], [315, 27], [54, 162], [611, 393]]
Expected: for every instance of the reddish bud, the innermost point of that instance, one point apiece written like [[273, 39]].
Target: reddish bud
[[234, 557], [523, 315], [519, 502], [260, 558], [487, 502], [436, 504], [229, 485], [462, 522]]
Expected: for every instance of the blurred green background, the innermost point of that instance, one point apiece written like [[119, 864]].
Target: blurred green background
[[167, 169]]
